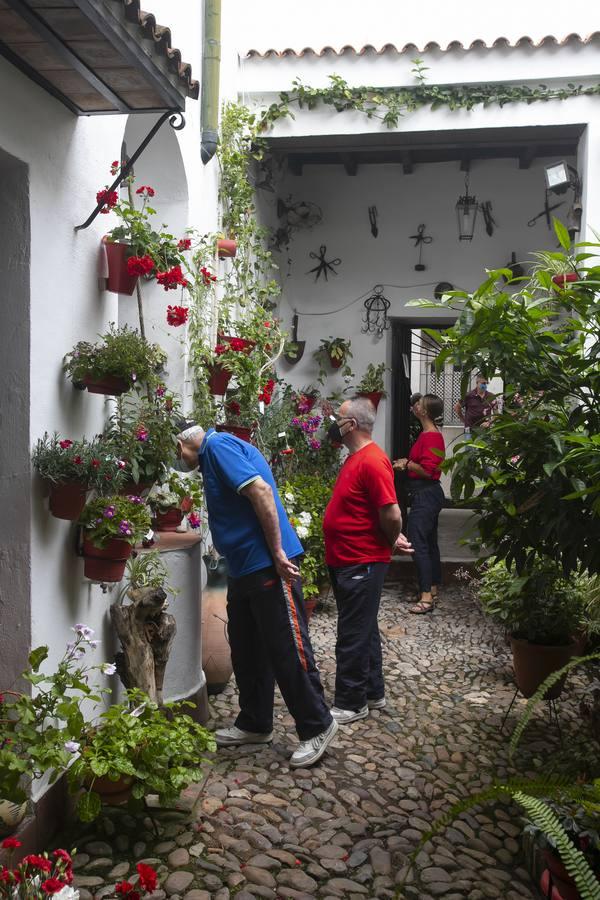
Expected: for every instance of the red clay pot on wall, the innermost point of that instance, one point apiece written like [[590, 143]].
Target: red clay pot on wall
[[336, 362], [109, 384], [565, 279], [240, 431], [66, 500], [170, 520], [119, 281], [106, 563], [226, 248], [374, 396], [218, 379], [533, 663]]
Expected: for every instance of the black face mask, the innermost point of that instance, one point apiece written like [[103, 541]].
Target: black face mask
[[334, 433]]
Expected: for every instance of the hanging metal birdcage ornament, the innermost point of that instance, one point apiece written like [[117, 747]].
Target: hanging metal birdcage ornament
[[375, 318]]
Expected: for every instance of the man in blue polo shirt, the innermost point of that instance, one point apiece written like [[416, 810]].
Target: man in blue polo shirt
[[268, 632]]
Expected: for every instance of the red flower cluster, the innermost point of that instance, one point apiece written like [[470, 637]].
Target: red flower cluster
[[177, 315], [10, 843], [64, 445], [146, 190], [148, 877], [238, 345], [266, 395], [140, 265], [184, 244], [220, 348], [115, 166], [57, 873], [172, 278], [234, 408], [207, 276], [109, 200]]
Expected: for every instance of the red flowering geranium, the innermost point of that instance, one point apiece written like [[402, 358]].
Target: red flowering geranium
[[148, 877], [238, 345], [207, 275], [172, 278], [109, 200], [177, 315], [9, 843], [234, 408], [220, 348], [184, 244], [266, 395], [146, 190], [140, 265]]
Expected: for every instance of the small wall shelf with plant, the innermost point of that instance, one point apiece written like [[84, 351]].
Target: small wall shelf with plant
[[371, 384]]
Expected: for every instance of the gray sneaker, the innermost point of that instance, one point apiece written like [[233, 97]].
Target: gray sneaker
[[377, 704], [234, 737], [310, 751], [345, 716]]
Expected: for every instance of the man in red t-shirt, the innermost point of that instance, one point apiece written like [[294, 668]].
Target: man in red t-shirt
[[362, 524]]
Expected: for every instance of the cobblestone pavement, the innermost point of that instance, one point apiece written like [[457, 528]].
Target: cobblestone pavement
[[255, 828]]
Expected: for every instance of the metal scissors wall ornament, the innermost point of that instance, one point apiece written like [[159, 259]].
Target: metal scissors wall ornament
[[324, 266], [373, 220], [420, 238], [375, 318]]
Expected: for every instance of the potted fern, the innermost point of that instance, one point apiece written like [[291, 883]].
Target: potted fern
[[371, 384], [111, 527]]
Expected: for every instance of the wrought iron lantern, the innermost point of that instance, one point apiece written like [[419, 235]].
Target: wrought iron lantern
[[375, 318], [466, 212]]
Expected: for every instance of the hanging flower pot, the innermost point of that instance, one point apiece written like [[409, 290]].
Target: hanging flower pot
[[533, 663], [169, 520], [226, 248], [374, 396], [241, 345], [113, 793], [107, 384], [106, 563], [564, 279], [336, 362], [135, 488], [305, 403], [119, 280], [218, 379], [243, 432], [67, 499]]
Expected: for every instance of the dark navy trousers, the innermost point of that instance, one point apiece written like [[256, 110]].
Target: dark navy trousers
[[422, 531], [269, 639], [359, 673]]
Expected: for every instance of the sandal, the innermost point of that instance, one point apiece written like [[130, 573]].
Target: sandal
[[422, 607]]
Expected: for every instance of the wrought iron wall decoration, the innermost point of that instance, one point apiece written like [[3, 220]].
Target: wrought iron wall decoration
[[545, 212], [375, 318], [486, 212], [466, 213], [421, 238], [323, 266], [373, 220]]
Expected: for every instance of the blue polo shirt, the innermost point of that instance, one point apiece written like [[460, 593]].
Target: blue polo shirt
[[228, 464]]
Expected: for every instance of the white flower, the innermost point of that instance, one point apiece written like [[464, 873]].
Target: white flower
[[289, 496], [72, 746], [302, 531], [305, 518], [108, 668], [138, 710], [84, 630], [67, 893]]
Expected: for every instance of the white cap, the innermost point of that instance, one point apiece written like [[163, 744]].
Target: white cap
[[189, 432]]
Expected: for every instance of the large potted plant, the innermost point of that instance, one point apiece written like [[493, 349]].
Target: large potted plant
[[71, 469], [136, 246], [371, 384], [180, 496], [111, 527], [123, 359]]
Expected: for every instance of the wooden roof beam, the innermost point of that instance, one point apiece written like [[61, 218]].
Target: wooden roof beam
[[349, 163], [526, 157], [407, 162]]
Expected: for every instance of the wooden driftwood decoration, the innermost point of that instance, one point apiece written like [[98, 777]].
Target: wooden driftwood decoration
[[146, 633]]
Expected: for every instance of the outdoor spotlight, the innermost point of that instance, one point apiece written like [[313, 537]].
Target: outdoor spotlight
[[558, 177], [466, 212]]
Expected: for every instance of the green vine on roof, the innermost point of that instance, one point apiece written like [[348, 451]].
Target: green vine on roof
[[390, 104]]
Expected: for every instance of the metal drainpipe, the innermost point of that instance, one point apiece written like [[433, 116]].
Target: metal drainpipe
[[211, 62]]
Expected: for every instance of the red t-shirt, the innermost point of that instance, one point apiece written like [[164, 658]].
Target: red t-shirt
[[351, 522], [422, 452]]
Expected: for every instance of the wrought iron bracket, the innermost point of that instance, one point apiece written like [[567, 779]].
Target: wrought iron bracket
[[176, 121]]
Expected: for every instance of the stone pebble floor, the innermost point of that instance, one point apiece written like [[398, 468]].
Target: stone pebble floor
[[345, 828]]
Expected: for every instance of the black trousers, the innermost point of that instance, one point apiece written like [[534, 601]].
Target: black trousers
[[422, 530], [359, 672], [268, 634]]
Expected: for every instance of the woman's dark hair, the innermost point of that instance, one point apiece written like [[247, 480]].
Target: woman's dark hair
[[433, 406], [414, 398]]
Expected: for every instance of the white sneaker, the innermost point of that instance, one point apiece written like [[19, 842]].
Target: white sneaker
[[234, 736], [309, 752], [345, 716], [377, 704]]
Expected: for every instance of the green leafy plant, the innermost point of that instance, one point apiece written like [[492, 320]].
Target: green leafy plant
[[61, 461], [372, 380], [305, 498], [143, 433], [180, 491], [333, 350], [115, 517], [146, 570], [123, 353], [160, 751]]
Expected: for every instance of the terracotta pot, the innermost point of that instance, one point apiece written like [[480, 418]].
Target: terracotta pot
[[109, 384], [533, 663], [556, 889], [226, 248], [216, 653], [11, 816], [66, 500], [135, 488], [336, 362], [241, 431], [119, 281], [228, 338], [170, 520], [374, 396], [565, 279], [218, 379], [107, 563], [310, 604], [113, 793]]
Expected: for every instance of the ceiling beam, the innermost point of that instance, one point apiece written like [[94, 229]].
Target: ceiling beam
[[295, 165], [407, 162], [527, 156], [349, 163]]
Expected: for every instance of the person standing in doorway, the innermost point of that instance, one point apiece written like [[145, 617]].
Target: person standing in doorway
[[423, 467], [267, 625], [361, 525], [477, 405]]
